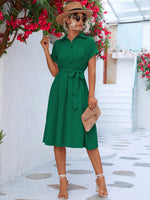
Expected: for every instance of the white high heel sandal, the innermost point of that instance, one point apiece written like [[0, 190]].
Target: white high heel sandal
[[97, 187], [62, 176]]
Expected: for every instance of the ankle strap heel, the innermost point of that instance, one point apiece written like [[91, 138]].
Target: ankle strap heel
[[62, 175], [99, 175], [97, 186], [63, 181]]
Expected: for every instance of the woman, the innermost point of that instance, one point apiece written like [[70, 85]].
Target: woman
[[69, 95]]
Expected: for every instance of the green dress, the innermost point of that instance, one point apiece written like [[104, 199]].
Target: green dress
[[68, 97]]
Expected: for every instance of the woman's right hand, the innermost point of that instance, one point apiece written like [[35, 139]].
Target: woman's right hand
[[45, 42]]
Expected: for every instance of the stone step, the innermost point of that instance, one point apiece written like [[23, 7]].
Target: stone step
[[114, 94], [114, 124], [115, 103], [115, 106], [113, 117], [119, 112], [114, 99]]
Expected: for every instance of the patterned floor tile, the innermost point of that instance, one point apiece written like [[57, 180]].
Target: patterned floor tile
[[80, 171], [124, 173], [142, 164], [121, 184], [129, 158], [70, 187], [39, 176]]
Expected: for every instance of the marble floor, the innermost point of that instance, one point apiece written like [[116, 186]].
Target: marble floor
[[126, 165]]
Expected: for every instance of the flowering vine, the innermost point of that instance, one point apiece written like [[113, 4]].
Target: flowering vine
[[23, 17], [143, 66]]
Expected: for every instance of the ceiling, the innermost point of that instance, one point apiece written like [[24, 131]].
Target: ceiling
[[125, 11]]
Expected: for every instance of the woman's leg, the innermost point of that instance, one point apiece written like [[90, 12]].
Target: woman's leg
[[60, 157], [94, 156]]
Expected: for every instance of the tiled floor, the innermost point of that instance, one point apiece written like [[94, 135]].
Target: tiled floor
[[126, 164]]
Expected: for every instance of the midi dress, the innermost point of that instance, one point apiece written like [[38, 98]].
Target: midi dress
[[68, 97]]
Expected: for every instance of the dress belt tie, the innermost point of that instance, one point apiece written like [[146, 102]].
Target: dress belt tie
[[75, 75]]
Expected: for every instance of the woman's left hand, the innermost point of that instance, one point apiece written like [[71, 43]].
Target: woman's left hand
[[92, 102]]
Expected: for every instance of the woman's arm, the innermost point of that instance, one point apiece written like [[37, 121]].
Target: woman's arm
[[92, 101], [51, 64], [92, 75]]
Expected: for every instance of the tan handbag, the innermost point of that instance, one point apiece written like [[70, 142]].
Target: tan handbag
[[89, 117]]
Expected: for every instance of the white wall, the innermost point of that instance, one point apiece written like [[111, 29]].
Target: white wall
[[142, 112], [146, 34], [24, 95], [99, 74], [125, 72], [1, 87]]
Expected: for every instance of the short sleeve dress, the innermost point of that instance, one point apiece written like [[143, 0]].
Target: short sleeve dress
[[68, 97]]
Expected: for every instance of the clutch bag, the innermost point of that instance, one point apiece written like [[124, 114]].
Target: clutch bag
[[89, 117]]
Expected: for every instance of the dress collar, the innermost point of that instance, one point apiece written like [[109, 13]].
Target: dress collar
[[79, 35]]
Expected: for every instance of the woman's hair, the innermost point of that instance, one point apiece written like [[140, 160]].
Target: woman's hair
[[73, 22]]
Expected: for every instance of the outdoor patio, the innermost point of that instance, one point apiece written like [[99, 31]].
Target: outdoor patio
[[126, 163]]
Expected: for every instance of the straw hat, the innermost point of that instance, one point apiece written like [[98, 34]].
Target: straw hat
[[70, 8]]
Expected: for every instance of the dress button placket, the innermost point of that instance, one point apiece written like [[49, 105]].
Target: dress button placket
[[71, 48]]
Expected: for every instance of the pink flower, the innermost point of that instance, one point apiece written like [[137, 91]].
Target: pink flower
[[148, 55], [84, 2], [147, 72], [34, 1], [89, 6], [107, 32], [141, 64], [142, 57], [45, 12], [1, 16], [19, 37], [57, 34], [142, 69], [148, 65], [27, 33], [95, 8], [31, 27]]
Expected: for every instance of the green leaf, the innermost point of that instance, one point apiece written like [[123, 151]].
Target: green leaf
[[11, 29], [1, 136], [5, 52], [8, 43], [42, 2], [45, 32], [7, 17]]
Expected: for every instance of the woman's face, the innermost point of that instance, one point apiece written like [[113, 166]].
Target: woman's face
[[76, 25]]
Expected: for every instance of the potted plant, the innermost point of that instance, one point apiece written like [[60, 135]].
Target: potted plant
[[1, 136]]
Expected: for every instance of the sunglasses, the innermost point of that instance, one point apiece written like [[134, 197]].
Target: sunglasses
[[77, 18]]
